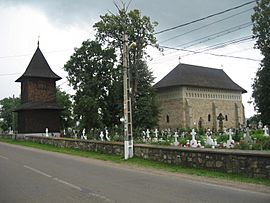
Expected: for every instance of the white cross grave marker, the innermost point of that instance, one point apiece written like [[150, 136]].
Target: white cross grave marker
[[83, 135], [107, 135], [101, 135], [156, 135], [230, 141], [193, 142], [47, 132], [148, 134], [266, 131], [176, 143]]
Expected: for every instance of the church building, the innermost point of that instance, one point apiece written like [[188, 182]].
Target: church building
[[199, 97], [38, 109]]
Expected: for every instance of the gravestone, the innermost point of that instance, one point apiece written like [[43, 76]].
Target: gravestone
[[148, 134], [183, 135], [83, 137], [260, 125], [199, 144], [47, 132], [101, 135], [193, 141], [247, 137], [169, 133], [209, 140], [266, 131], [107, 135], [176, 143], [156, 135], [220, 119], [143, 136], [230, 141]]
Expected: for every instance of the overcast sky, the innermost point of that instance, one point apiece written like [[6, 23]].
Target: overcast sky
[[63, 24]]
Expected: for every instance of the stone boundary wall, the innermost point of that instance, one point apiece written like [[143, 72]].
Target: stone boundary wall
[[243, 162]]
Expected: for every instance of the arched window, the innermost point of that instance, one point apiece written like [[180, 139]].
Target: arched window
[[226, 118], [167, 118], [209, 117]]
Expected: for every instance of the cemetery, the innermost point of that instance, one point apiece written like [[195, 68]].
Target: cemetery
[[244, 139], [184, 136], [238, 151]]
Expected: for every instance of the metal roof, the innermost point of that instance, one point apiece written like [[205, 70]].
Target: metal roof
[[198, 76]]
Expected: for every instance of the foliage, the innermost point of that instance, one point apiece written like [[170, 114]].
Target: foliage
[[145, 107], [237, 137], [8, 105], [222, 138], [64, 100], [94, 77], [261, 85], [139, 29], [253, 120], [243, 145]]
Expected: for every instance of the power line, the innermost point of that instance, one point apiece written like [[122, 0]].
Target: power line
[[204, 26], [8, 74], [219, 55], [223, 44], [216, 35], [211, 47], [23, 55], [201, 19]]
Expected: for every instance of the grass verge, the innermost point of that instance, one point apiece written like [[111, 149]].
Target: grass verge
[[141, 163]]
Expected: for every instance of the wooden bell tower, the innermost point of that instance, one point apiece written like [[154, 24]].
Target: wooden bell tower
[[38, 109]]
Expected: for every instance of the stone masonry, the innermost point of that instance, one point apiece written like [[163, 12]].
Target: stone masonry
[[246, 163]]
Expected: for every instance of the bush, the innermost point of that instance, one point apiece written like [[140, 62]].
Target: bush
[[237, 137], [222, 138], [243, 145], [262, 143]]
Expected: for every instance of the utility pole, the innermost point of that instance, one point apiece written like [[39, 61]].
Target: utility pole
[[128, 136]]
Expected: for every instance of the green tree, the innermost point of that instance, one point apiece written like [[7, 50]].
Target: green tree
[[261, 85], [64, 100], [92, 73], [7, 115], [139, 29], [145, 109]]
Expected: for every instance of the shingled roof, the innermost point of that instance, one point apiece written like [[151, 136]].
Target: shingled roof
[[38, 67], [38, 106], [198, 76]]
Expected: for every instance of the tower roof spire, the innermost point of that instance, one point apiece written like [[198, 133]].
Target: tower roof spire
[[38, 41], [38, 68]]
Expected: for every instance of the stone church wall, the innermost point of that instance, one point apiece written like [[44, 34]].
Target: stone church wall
[[192, 107]]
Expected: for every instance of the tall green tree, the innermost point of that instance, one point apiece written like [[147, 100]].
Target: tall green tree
[[7, 106], [261, 85], [140, 30], [64, 100], [92, 74]]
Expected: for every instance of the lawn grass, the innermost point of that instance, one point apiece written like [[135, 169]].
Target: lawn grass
[[141, 163]]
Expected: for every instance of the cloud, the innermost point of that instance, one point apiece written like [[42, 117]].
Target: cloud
[[166, 13]]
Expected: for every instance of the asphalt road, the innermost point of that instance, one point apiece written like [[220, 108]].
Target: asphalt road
[[31, 175]]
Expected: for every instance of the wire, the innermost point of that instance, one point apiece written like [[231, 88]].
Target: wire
[[216, 35], [201, 19], [220, 55], [8, 74], [223, 44], [23, 55], [199, 28]]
